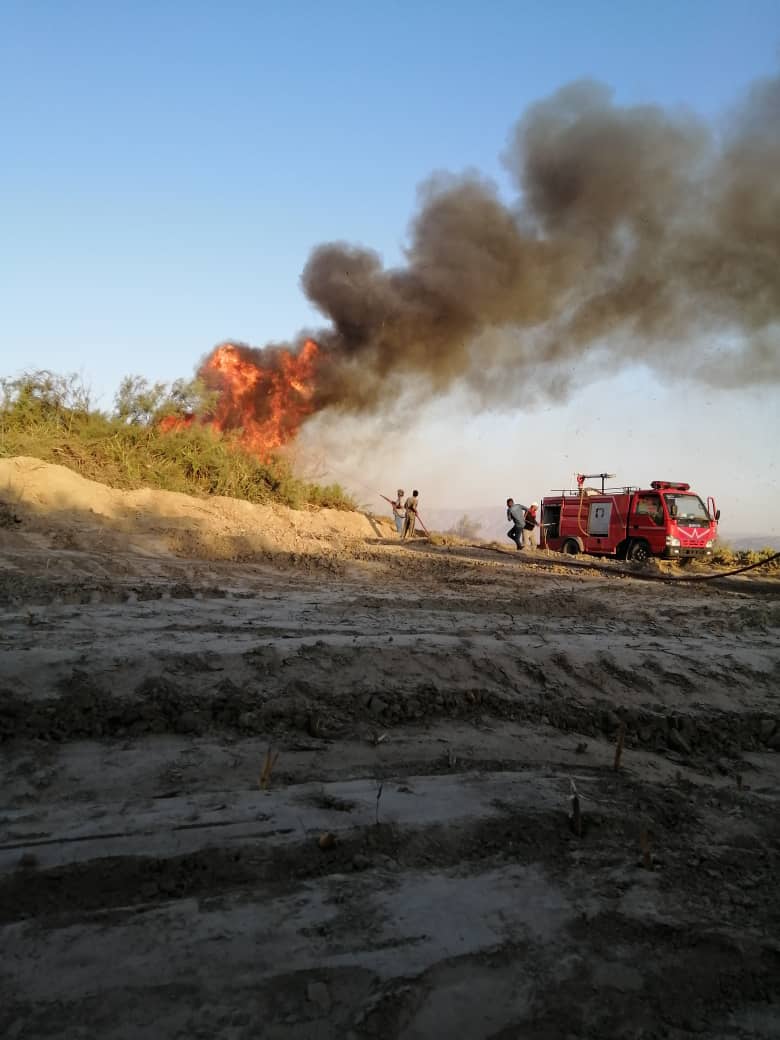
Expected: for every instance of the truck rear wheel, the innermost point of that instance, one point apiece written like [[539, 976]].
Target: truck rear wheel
[[638, 552], [570, 547]]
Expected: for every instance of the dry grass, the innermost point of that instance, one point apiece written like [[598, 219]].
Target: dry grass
[[271, 757], [619, 746]]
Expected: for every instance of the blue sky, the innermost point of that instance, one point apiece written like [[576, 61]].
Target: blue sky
[[168, 166]]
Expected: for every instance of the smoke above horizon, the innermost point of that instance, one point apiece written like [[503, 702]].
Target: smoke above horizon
[[637, 236]]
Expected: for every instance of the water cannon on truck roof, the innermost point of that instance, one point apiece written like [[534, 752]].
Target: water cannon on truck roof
[[666, 520]]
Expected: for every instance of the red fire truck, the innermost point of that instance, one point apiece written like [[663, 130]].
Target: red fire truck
[[667, 519]]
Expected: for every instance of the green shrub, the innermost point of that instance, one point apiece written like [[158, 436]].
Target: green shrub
[[50, 417], [723, 555]]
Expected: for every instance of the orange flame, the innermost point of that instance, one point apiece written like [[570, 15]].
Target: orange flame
[[265, 402], [175, 422]]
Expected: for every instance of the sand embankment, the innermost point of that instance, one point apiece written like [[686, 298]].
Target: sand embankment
[[60, 507]]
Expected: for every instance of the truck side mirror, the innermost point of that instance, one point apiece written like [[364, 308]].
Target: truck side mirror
[[717, 515]]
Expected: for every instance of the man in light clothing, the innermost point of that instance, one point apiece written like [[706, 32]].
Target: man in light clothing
[[399, 514]]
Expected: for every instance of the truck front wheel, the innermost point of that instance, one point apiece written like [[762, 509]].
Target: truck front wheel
[[570, 547], [638, 552]]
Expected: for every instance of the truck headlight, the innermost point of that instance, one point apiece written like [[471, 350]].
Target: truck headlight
[[708, 545], [672, 541]]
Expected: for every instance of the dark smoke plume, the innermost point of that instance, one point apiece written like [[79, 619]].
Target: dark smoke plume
[[638, 235]]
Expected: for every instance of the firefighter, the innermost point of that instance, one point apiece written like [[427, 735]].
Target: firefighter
[[410, 507], [529, 524], [398, 510], [515, 513]]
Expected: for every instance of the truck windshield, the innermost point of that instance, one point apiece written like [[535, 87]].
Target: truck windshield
[[687, 509]]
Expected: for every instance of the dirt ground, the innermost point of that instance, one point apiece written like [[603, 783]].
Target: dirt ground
[[276, 775]]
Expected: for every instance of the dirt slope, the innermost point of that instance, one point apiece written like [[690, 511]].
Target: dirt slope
[[76, 513], [410, 865]]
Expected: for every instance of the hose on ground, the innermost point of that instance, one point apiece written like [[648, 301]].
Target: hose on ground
[[643, 575], [726, 574]]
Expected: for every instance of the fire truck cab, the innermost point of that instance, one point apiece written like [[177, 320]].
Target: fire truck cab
[[667, 519]]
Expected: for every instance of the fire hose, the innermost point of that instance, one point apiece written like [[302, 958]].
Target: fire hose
[[643, 575], [721, 574]]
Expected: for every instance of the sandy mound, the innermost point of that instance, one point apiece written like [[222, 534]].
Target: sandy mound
[[60, 509]]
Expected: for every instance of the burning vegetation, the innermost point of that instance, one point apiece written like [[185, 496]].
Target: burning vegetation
[[262, 395], [159, 435]]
